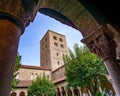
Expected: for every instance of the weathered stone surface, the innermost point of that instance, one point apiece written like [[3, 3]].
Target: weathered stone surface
[[9, 38], [74, 8], [86, 23], [18, 12], [116, 38], [99, 42], [48, 4], [61, 4], [75, 12]]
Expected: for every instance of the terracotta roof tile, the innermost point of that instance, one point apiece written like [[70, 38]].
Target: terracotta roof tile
[[34, 67]]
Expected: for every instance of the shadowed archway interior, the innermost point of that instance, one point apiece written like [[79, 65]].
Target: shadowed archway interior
[[58, 16]]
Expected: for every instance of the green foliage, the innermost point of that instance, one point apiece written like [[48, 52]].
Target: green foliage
[[84, 69], [16, 68], [101, 93], [41, 87]]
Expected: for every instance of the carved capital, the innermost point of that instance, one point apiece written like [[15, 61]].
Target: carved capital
[[116, 39], [20, 12], [99, 42]]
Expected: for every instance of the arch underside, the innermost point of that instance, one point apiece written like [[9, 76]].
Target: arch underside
[[71, 13], [94, 27]]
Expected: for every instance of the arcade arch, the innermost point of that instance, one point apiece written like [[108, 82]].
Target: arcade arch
[[92, 30]]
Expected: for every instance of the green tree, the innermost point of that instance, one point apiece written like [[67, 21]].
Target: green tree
[[16, 68], [41, 87], [84, 69]]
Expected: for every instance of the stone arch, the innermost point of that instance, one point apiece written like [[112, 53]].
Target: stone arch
[[77, 91], [84, 90], [107, 84], [64, 12], [58, 93], [69, 92], [63, 91], [13, 94], [57, 15], [93, 29], [22, 93]]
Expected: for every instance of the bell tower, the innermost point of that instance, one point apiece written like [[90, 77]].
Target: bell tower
[[53, 47]]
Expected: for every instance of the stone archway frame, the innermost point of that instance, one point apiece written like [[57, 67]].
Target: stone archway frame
[[13, 94], [79, 92], [69, 92], [63, 91], [22, 93], [16, 15], [58, 93], [77, 17], [82, 20]]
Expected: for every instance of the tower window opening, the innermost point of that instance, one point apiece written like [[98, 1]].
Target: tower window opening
[[61, 45], [45, 39], [58, 62], [55, 44], [57, 54], [60, 39], [54, 37]]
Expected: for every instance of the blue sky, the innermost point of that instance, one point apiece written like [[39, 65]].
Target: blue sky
[[29, 45]]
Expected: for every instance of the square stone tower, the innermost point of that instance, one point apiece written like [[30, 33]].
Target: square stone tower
[[53, 47]]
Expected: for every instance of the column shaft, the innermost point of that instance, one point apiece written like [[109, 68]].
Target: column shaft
[[9, 39], [114, 71]]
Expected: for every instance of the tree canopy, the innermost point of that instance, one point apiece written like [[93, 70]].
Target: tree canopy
[[84, 69], [41, 87]]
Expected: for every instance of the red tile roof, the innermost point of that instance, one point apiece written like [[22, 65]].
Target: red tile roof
[[34, 67]]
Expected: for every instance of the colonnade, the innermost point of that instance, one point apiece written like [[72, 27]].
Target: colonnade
[[62, 91], [15, 16]]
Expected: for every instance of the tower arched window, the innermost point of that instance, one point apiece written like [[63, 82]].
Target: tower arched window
[[36, 75], [32, 76], [55, 44], [58, 62], [61, 39], [46, 39], [54, 37], [57, 53], [61, 46]]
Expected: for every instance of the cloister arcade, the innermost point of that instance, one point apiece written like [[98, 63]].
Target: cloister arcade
[[100, 33]]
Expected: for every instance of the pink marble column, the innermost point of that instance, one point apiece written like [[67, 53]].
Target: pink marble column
[[114, 70], [15, 15], [9, 39], [79, 89]]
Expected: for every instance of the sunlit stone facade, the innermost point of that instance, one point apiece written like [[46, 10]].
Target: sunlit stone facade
[[53, 47]]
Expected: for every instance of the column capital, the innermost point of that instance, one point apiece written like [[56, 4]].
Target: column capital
[[20, 12], [99, 42], [116, 39]]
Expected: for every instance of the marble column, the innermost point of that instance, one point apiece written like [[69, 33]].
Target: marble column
[[9, 38], [79, 90], [66, 93], [15, 15], [72, 91]]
